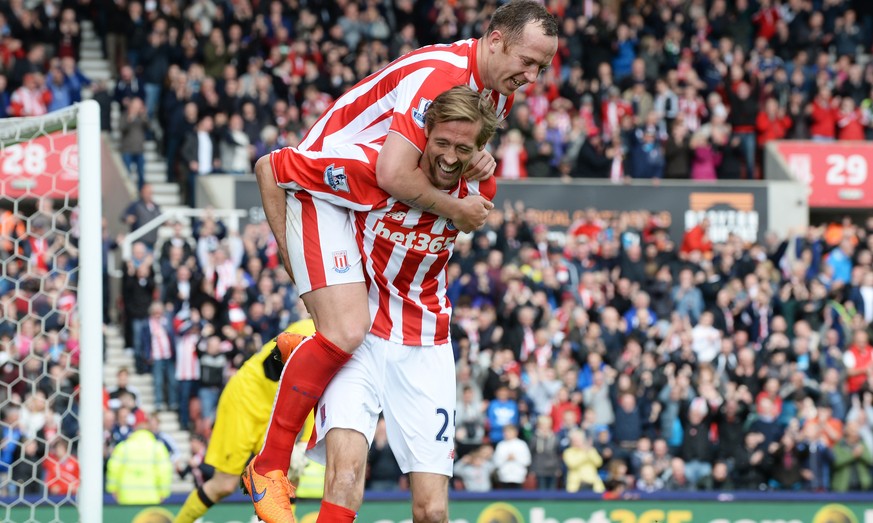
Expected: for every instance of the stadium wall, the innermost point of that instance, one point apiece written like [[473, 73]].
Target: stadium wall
[[118, 189], [748, 209]]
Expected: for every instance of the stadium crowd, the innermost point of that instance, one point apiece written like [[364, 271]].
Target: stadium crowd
[[653, 90], [39, 352], [619, 359]]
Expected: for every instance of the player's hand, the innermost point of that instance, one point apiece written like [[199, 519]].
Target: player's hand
[[481, 167], [473, 212], [273, 365]]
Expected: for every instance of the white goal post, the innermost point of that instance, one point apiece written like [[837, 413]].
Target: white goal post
[[19, 183]]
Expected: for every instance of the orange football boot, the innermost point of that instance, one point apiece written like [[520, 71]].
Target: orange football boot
[[286, 342], [271, 494]]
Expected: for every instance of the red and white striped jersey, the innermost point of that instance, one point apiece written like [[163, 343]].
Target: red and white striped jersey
[[396, 97], [187, 362], [344, 175], [160, 349], [405, 253]]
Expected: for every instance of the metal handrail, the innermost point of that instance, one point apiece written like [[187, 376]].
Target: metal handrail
[[233, 216]]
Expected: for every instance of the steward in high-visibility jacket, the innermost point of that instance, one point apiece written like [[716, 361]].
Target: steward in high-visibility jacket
[[311, 484], [139, 471]]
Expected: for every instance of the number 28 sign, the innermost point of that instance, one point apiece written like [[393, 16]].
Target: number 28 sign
[[45, 167], [838, 173]]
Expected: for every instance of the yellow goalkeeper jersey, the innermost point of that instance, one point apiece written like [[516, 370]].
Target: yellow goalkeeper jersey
[[244, 410]]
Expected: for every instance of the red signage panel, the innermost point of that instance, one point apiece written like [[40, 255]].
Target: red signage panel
[[838, 173], [45, 167]]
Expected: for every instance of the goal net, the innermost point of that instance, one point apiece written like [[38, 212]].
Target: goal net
[[51, 342]]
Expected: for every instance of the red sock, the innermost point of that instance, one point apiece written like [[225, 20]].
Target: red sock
[[303, 381], [330, 513]]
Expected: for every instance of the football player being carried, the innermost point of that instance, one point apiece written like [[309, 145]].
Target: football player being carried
[[382, 117], [405, 367]]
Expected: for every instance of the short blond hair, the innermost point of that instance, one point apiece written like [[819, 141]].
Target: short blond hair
[[462, 104]]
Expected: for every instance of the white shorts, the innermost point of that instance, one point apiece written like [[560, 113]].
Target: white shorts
[[413, 386], [321, 243]]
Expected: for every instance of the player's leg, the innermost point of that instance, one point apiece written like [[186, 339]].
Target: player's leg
[[430, 497], [345, 422], [324, 257], [344, 476], [419, 403], [326, 262], [234, 438], [219, 486]]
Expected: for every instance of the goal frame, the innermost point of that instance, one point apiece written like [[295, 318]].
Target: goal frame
[[90, 301], [86, 119]]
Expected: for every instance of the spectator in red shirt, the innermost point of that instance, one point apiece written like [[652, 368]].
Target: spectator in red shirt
[[32, 98], [134, 414], [850, 121], [561, 404], [697, 238], [590, 226], [823, 116], [858, 361], [772, 123], [766, 19], [771, 392], [612, 110], [61, 470]]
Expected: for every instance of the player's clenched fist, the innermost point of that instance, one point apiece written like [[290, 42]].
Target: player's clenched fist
[[472, 213]]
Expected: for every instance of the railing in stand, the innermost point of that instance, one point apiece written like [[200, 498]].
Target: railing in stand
[[230, 216]]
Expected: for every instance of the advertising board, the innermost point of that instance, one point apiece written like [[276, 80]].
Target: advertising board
[[514, 511], [837, 173], [739, 209], [45, 167]]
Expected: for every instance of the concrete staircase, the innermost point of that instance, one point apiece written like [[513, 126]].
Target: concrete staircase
[[166, 195], [117, 357], [94, 66], [91, 60]]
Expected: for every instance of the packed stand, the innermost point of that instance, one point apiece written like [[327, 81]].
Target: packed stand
[[619, 359], [692, 90], [623, 361], [39, 352], [39, 329], [614, 360], [676, 90], [39, 54]]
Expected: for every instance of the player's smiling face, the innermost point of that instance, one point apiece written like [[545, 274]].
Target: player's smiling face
[[514, 64], [450, 148]]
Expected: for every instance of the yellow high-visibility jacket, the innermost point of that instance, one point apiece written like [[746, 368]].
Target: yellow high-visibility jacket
[[139, 471]]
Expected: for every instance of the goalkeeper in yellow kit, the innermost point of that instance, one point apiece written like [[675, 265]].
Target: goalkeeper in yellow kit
[[241, 421]]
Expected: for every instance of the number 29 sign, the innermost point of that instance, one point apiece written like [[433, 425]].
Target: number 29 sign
[[45, 167], [838, 173]]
